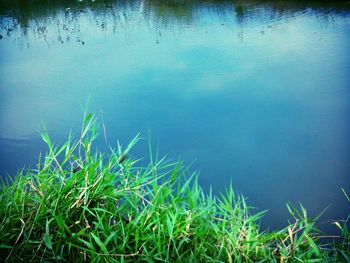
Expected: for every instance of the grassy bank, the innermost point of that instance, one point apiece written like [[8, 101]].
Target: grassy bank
[[83, 205]]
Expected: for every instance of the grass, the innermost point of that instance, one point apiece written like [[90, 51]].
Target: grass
[[80, 205]]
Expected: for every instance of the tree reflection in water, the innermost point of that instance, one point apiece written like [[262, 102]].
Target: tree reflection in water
[[63, 21]]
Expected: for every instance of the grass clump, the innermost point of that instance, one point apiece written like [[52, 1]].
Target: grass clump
[[81, 205]]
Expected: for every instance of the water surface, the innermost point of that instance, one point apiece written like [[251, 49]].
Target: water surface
[[256, 92]]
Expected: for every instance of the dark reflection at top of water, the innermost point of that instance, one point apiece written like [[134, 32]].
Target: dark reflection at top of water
[[61, 21]]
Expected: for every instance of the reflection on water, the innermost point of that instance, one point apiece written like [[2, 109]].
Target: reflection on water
[[62, 19], [255, 91]]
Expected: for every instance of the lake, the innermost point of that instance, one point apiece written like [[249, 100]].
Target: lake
[[255, 93]]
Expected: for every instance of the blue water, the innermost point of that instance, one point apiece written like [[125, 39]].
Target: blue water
[[256, 94]]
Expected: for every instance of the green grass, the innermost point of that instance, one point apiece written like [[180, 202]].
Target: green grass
[[83, 205]]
